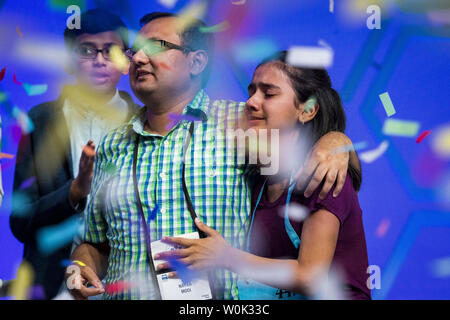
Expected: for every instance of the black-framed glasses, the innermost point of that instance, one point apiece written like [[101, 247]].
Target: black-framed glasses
[[91, 52], [152, 47]]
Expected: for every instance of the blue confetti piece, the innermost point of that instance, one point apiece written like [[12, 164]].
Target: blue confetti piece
[[27, 183], [153, 213], [35, 89], [253, 51], [184, 273], [54, 237]]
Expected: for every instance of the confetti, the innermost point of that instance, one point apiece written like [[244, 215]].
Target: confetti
[[15, 80], [169, 4], [2, 73], [331, 6], [118, 287], [441, 267], [217, 28], [310, 57], [6, 156], [54, 237], [441, 142], [184, 273], [387, 104], [23, 120], [20, 287], [310, 103], [189, 15], [18, 32], [422, 136], [239, 2], [35, 89], [164, 66], [3, 96], [175, 118], [119, 59], [383, 228], [296, 212], [372, 155], [37, 293], [400, 128], [351, 147], [27, 183], [81, 264], [63, 4], [110, 169], [254, 50]]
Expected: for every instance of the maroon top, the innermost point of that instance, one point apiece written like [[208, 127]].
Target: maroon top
[[269, 237]]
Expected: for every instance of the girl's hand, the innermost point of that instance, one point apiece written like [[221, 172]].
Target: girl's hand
[[198, 254]]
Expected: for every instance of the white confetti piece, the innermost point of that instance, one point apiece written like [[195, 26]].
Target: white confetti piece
[[372, 155], [310, 57]]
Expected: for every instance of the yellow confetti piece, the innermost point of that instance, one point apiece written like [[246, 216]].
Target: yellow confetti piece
[[118, 58], [25, 277], [190, 14], [441, 142], [79, 263], [6, 156], [18, 32]]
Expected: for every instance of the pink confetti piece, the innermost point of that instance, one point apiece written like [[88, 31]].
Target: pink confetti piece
[[383, 228], [2, 73], [15, 80], [117, 287], [422, 136]]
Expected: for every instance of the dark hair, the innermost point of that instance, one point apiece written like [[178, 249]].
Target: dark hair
[[316, 84], [192, 37], [96, 21]]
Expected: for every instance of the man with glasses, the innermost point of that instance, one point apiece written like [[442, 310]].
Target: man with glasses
[[54, 171], [167, 172]]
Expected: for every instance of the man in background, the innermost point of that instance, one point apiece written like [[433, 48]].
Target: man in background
[[55, 161]]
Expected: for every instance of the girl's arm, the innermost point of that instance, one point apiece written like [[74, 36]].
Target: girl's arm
[[318, 242]]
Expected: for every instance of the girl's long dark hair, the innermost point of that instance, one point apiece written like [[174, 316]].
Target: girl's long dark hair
[[316, 84]]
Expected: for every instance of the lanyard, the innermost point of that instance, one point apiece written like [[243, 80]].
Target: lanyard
[[293, 236]]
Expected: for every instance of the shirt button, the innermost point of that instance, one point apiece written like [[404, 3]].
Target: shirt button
[[212, 173], [166, 142], [162, 210], [162, 175]]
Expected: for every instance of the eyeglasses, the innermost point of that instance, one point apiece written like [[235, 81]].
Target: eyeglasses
[[90, 52], [152, 47]]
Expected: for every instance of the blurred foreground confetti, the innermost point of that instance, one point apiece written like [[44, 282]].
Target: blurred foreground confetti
[[54, 237], [372, 155], [310, 57], [400, 128], [25, 277]]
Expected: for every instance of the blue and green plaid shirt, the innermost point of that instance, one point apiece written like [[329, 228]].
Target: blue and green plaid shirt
[[217, 184]]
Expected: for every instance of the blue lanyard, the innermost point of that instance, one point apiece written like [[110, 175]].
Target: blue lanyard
[[293, 236]]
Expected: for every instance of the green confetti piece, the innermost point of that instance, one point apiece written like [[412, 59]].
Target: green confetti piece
[[35, 89], [217, 28], [387, 104], [110, 169], [401, 128], [63, 4], [310, 103]]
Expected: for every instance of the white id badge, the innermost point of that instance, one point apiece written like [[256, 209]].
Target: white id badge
[[175, 289]]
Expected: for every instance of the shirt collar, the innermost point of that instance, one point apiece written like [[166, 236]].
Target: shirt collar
[[198, 107]]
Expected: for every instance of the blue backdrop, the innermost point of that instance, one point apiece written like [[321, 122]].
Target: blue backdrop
[[405, 193]]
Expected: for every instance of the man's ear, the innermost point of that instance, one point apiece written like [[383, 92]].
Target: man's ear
[[199, 61], [308, 110]]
